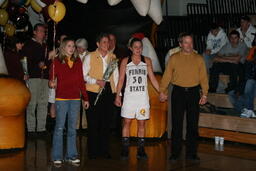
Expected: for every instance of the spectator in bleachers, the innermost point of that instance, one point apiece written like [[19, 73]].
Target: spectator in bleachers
[[216, 39], [228, 61], [246, 29], [245, 103]]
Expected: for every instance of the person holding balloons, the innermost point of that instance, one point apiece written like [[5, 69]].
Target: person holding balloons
[[67, 70]]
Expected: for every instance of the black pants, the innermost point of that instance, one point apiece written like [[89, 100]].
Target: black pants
[[185, 99], [226, 68], [98, 119]]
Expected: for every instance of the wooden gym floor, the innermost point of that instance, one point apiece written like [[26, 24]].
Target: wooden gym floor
[[36, 157]]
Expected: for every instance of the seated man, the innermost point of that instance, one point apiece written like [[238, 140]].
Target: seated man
[[216, 39], [228, 61], [246, 31], [244, 104]]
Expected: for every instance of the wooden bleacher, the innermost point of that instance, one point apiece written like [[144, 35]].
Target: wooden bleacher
[[232, 128]]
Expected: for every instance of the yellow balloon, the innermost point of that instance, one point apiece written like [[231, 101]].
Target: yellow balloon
[[3, 17], [9, 30], [35, 6], [4, 5], [57, 11], [27, 2]]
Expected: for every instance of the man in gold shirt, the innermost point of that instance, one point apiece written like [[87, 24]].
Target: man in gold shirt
[[187, 72]]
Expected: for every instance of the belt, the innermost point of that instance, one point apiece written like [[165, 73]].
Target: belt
[[186, 88]]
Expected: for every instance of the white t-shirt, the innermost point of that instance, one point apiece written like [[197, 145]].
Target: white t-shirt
[[248, 37]]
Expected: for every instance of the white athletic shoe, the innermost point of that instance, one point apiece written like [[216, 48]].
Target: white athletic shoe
[[252, 114], [74, 161], [57, 163], [246, 113]]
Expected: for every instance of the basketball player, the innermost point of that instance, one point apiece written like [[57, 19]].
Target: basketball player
[[135, 105]]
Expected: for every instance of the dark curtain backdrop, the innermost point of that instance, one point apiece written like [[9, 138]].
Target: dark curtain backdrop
[[88, 20]]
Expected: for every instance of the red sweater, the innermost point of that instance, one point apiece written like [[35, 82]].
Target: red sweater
[[70, 81]]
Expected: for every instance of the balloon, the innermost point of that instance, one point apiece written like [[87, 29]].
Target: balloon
[[57, 11], [141, 6], [27, 2], [5, 4], [22, 10], [35, 6], [9, 30], [82, 1], [18, 2], [21, 21], [155, 11], [12, 10], [1, 2], [40, 3], [113, 2], [3, 17]]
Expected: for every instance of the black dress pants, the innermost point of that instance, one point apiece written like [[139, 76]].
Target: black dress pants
[[185, 99], [226, 68], [98, 119]]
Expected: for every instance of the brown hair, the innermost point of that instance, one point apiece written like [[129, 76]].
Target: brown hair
[[62, 54]]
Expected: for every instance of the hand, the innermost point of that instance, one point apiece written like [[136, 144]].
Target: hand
[[52, 54], [41, 65], [203, 100], [118, 101], [52, 84], [86, 104], [26, 77], [101, 83], [162, 97], [217, 59]]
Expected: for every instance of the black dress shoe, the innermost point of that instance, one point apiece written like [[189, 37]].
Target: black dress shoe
[[141, 154], [193, 158]]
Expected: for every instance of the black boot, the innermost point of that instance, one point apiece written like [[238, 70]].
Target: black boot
[[125, 148], [141, 154]]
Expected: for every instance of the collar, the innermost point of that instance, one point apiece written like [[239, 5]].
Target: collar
[[101, 54]]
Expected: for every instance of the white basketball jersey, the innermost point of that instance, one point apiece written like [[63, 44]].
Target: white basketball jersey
[[136, 90]]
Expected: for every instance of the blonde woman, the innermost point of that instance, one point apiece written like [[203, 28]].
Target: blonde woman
[[67, 70]]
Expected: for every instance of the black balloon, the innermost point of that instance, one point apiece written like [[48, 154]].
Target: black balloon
[[13, 11], [21, 21]]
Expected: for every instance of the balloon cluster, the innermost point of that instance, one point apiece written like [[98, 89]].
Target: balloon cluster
[[14, 15]]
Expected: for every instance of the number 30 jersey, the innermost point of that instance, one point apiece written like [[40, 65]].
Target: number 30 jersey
[[136, 90]]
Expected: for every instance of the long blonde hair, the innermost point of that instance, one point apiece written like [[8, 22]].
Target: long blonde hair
[[62, 55]]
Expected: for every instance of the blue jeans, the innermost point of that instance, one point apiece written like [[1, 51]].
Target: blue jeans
[[249, 93], [247, 99], [69, 109], [208, 60]]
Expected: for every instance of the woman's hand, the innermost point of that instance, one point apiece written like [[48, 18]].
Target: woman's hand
[[163, 97], [86, 104], [118, 101], [52, 84]]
